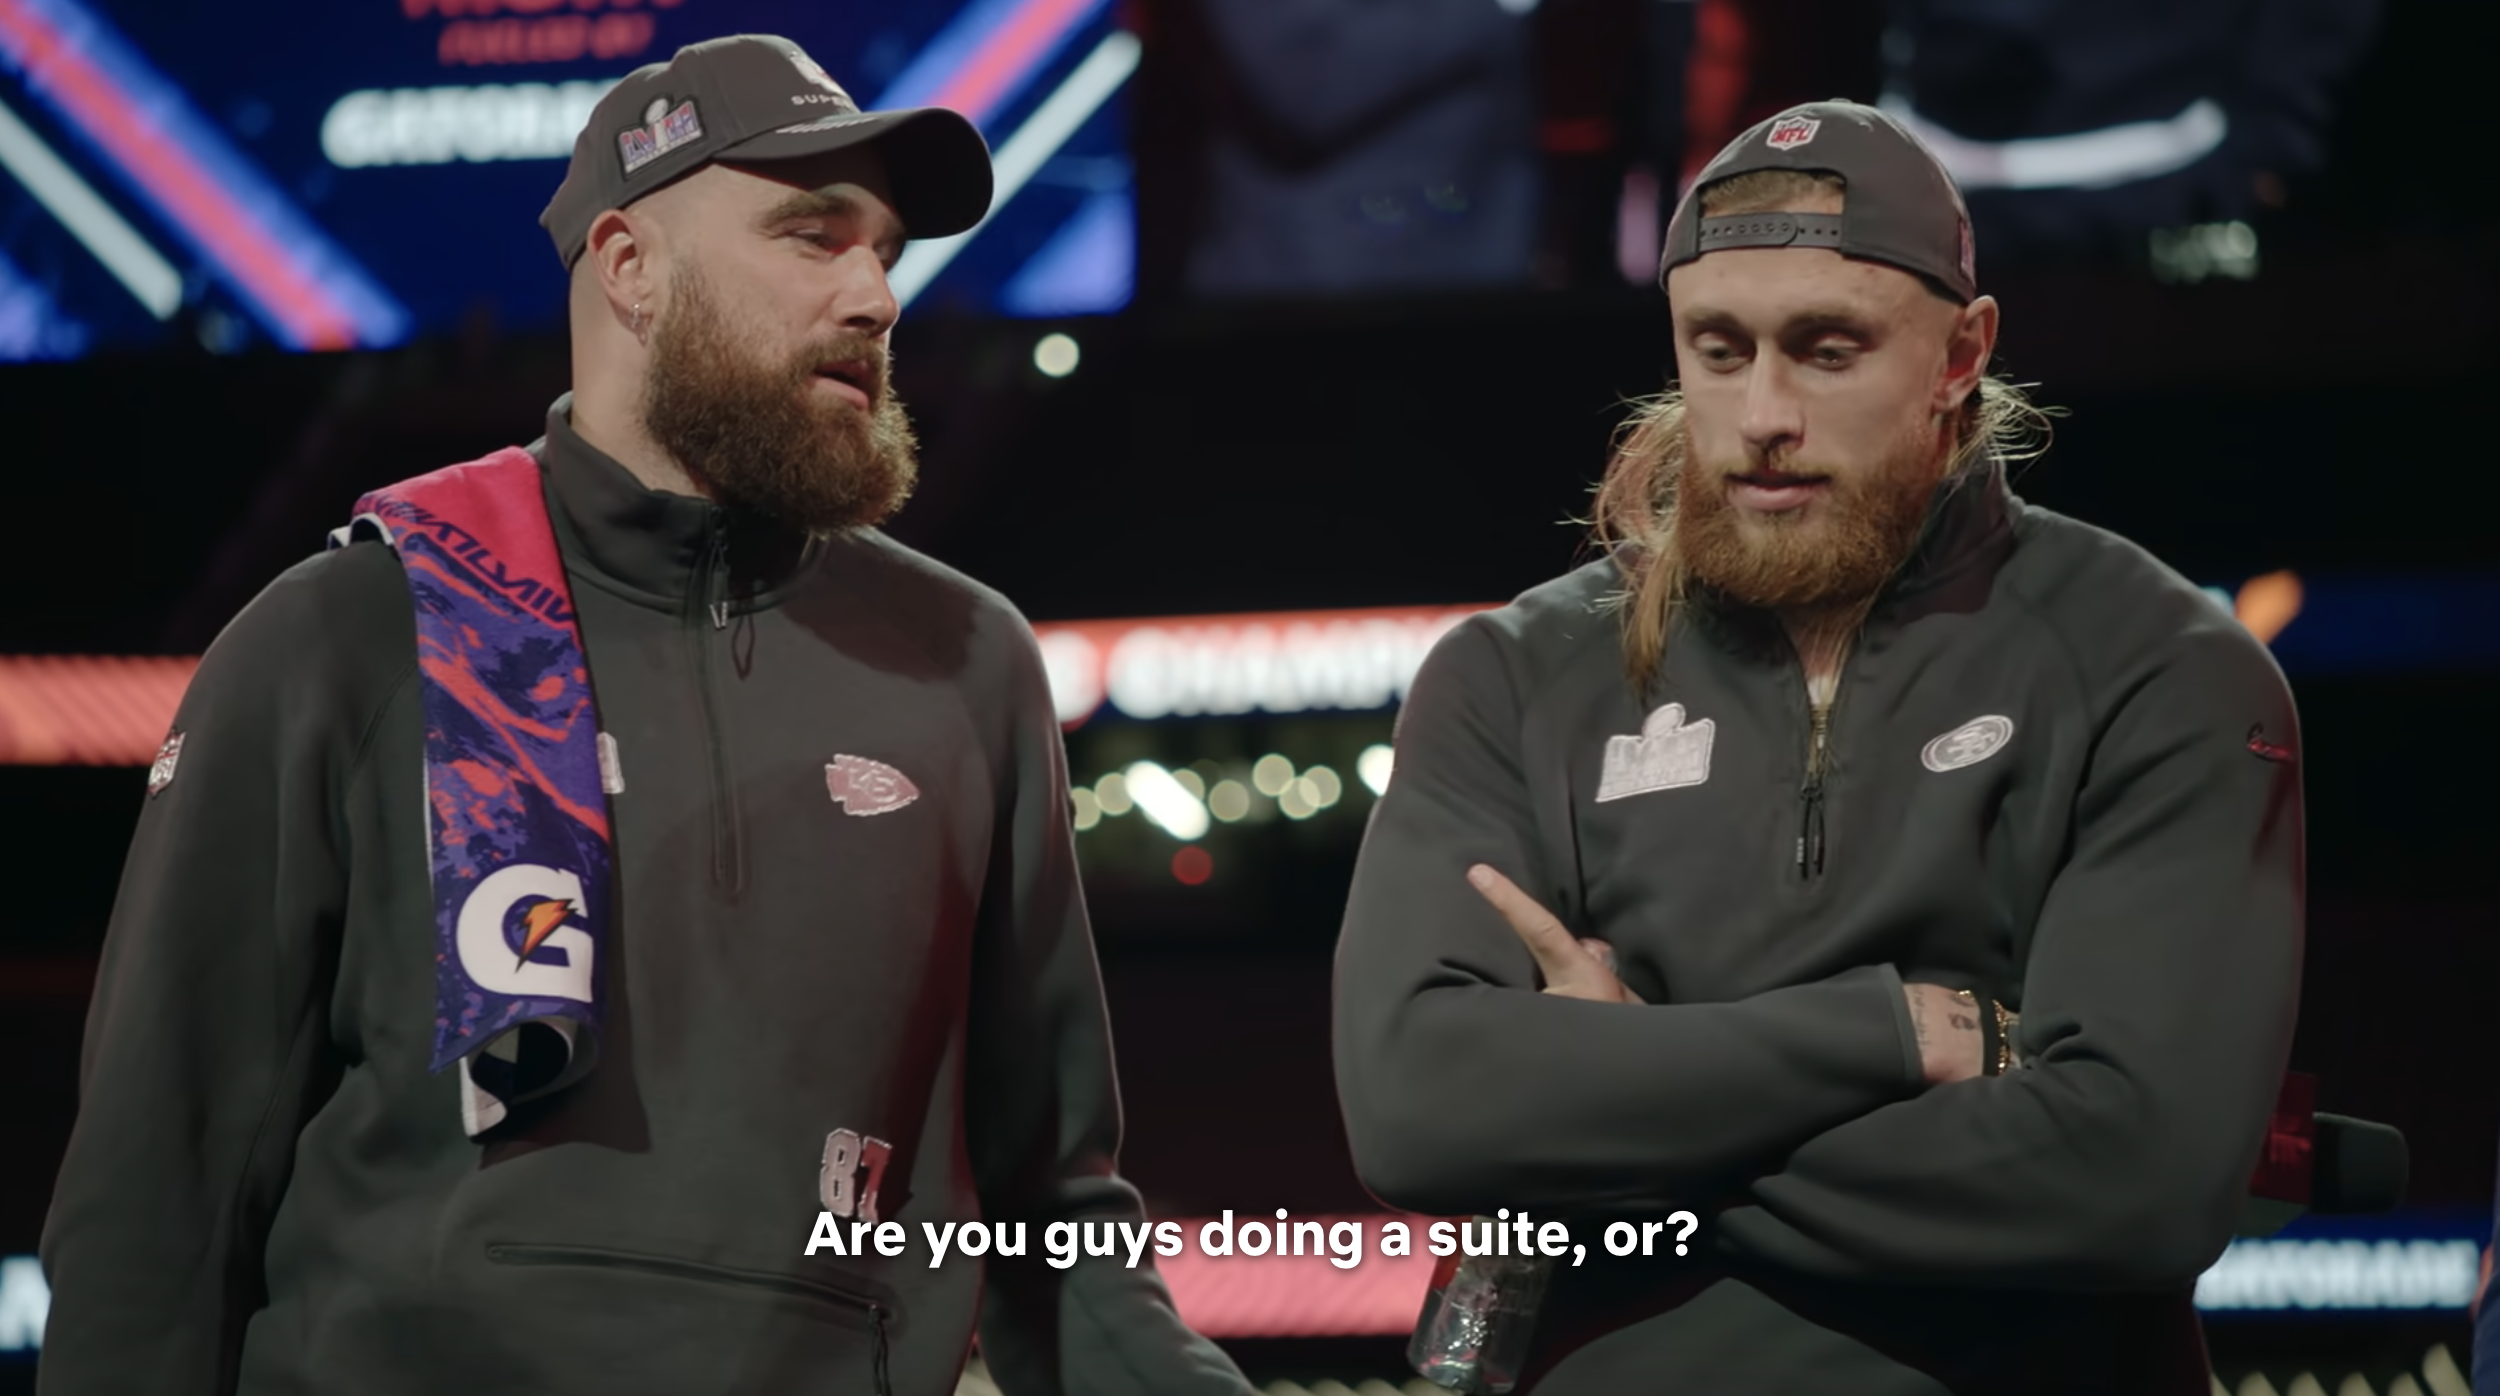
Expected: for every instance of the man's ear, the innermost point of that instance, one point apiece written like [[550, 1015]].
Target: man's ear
[[623, 253], [1970, 344]]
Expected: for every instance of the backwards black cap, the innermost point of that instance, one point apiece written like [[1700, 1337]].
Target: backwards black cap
[[760, 97], [1901, 207]]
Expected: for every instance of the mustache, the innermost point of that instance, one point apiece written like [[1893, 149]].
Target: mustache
[[856, 358], [1777, 465]]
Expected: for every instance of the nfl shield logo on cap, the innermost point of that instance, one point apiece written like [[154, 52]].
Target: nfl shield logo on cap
[[1791, 133]]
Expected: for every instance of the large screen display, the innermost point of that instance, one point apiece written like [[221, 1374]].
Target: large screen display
[[340, 173], [322, 173]]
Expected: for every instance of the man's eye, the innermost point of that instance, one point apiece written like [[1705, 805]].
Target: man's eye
[[1833, 355], [1718, 354]]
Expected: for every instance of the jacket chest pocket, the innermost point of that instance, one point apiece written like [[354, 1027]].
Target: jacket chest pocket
[[1652, 860]]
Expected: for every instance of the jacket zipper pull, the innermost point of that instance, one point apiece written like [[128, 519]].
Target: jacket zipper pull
[[1810, 829], [1810, 819], [716, 577]]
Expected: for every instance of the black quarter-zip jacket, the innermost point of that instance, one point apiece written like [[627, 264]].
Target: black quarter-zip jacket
[[2053, 769], [268, 1192]]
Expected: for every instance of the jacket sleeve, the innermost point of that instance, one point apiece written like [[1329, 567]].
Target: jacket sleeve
[[1465, 1089], [1044, 1107], [205, 1046], [2158, 1005]]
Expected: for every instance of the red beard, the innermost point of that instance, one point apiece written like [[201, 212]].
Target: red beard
[[1833, 554], [758, 435]]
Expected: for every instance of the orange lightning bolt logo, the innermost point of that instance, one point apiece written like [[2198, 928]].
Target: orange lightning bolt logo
[[538, 923]]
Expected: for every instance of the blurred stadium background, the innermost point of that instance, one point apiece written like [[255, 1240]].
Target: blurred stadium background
[[1299, 329]]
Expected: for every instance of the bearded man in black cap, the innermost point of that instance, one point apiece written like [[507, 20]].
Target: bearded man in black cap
[[1913, 876], [611, 924]]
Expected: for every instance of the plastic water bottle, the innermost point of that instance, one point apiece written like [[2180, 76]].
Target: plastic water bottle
[[1477, 1319]]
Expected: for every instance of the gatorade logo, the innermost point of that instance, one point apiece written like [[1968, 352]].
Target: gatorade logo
[[517, 935]]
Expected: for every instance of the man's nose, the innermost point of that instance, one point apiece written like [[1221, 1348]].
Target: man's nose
[[1774, 418], [865, 303]]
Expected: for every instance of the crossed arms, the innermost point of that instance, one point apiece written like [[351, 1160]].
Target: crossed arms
[[2157, 1016]]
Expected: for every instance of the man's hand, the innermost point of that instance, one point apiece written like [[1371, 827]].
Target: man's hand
[[1950, 1046], [1575, 969]]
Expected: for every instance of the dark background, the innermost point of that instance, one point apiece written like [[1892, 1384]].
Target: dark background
[[2328, 416]]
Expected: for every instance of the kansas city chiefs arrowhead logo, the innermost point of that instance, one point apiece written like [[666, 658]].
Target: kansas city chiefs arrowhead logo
[[864, 787]]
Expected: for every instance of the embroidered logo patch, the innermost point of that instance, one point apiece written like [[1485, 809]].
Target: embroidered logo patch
[[611, 766], [815, 73], [864, 787], [161, 772], [2259, 747], [1969, 744], [661, 131], [1666, 755], [854, 1167], [1791, 133]]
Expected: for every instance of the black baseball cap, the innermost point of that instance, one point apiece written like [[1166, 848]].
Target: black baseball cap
[[760, 97], [1901, 207]]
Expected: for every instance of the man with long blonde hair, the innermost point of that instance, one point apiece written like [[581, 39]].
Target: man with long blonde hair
[[1912, 875]]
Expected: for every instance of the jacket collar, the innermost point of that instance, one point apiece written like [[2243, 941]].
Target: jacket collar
[[1968, 535], [664, 549]]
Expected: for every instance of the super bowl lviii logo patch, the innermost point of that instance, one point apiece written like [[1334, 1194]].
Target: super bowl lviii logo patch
[[661, 131], [1791, 132], [518, 935], [1667, 755]]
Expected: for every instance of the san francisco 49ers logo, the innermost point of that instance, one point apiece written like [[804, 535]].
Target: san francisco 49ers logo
[[853, 1169]]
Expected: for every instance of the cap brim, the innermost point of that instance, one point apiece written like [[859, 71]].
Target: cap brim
[[936, 162]]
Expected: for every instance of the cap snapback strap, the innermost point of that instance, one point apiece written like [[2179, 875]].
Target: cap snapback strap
[[1770, 230]]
